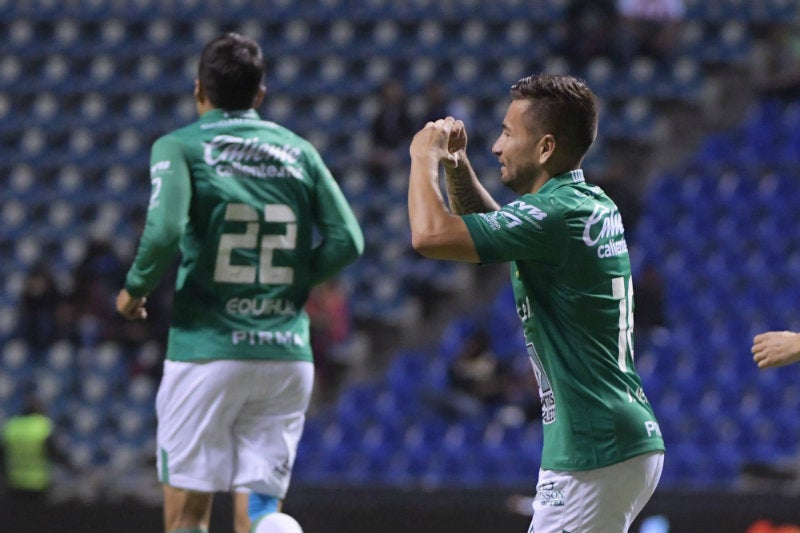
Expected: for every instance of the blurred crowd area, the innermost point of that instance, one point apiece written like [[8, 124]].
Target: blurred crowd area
[[422, 375]]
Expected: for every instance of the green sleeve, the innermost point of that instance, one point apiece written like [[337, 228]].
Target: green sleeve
[[167, 216], [524, 229], [342, 240]]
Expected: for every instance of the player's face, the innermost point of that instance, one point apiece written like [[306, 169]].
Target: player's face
[[517, 149]]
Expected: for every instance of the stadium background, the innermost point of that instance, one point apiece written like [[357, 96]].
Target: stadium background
[[706, 130]]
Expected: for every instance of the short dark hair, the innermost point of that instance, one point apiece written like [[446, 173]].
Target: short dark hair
[[231, 71], [564, 106]]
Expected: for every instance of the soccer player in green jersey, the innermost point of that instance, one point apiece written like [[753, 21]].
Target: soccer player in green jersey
[[571, 276], [258, 220]]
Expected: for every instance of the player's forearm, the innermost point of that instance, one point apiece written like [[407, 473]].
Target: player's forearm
[[343, 240], [426, 207], [464, 192], [338, 250], [435, 232], [155, 254]]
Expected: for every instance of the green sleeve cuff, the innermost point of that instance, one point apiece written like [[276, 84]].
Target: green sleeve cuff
[[134, 289]]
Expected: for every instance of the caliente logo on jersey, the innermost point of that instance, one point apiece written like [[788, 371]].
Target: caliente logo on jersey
[[236, 156], [605, 224]]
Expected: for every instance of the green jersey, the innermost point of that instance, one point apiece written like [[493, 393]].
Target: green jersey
[[258, 220], [571, 278]]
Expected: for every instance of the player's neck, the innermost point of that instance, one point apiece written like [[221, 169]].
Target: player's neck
[[203, 107]]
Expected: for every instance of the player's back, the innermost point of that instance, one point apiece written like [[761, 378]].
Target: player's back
[[247, 244]]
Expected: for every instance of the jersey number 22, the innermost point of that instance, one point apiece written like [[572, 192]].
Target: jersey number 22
[[225, 272]]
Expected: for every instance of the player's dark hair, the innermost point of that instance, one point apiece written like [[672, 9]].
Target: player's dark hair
[[231, 71], [563, 106]]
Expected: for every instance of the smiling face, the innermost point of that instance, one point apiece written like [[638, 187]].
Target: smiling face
[[520, 150]]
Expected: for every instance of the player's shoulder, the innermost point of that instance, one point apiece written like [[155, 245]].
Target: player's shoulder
[[177, 136], [290, 139], [578, 197], [168, 145], [294, 137], [550, 204]]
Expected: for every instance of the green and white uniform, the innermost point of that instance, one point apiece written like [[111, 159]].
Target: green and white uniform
[[571, 278], [258, 220], [241, 198]]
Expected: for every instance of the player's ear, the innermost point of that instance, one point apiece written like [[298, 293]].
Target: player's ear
[[262, 91], [547, 147], [199, 93]]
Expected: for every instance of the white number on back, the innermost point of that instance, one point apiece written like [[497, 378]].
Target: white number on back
[[625, 297], [225, 272], [155, 190]]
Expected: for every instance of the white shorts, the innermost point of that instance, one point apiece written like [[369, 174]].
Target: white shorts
[[231, 425], [602, 500]]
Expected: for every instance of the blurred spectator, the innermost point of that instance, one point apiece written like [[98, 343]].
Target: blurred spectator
[[480, 382], [329, 314], [96, 279], [438, 105], [425, 285], [159, 312], [654, 24], [391, 129], [588, 35], [475, 380], [477, 371], [28, 452], [45, 314], [148, 340], [614, 181], [655, 10], [779, 64], [648, 290], [520, 402]]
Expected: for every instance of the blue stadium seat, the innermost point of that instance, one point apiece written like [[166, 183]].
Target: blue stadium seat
[[17, 359], [427, 433], [731, 45], [13, 217], [84, 453], [355, 403], [96, 389], [640, 79], [10, 399], [452, 338], [682, 81], [135, 426], [141, 391], [601, 75], [11, 73], [408, 468]]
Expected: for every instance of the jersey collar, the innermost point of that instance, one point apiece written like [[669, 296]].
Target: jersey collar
[[222, 114], [573, 176]]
